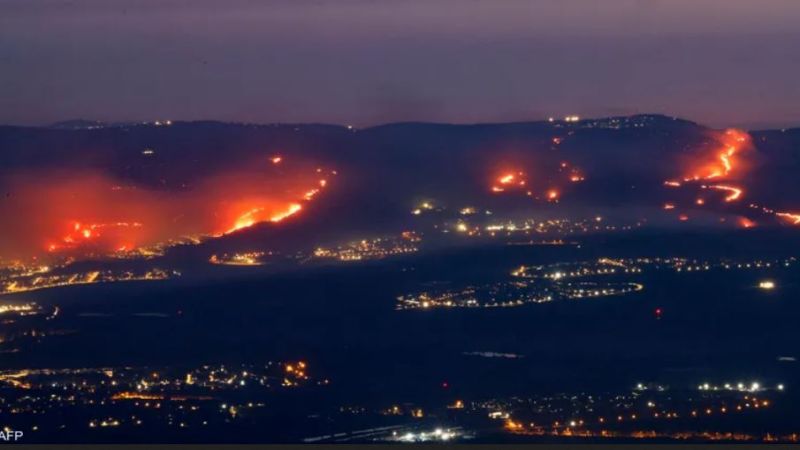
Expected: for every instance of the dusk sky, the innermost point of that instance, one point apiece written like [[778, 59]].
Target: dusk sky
[[719, 62]]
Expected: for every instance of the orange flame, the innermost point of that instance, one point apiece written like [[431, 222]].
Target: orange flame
[[258, 215], [724, 161], [793, 218], [509, 180], [293, 208], [81, 213], [506, 179], [82, 233], [734, 193]]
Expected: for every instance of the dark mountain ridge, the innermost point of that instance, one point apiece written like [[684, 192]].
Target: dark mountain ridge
[[385, 170]]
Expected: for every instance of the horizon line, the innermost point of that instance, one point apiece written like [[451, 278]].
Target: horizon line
[[571, 119]]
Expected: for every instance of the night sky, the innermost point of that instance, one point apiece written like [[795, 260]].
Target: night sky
[[719, 62]]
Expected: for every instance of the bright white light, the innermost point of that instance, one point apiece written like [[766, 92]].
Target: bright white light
[[766, 285]]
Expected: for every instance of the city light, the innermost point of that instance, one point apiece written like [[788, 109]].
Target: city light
[[766, 285]]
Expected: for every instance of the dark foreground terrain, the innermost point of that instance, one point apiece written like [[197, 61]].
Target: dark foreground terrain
[[491, 374]]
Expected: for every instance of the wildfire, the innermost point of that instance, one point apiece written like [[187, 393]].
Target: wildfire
[[79, 213], [259, 214], [293, 208], [555, 181], [509, 181], [734, 193], [248, 219], [794, 218], [724, 161], [81, 233], [722, 166]]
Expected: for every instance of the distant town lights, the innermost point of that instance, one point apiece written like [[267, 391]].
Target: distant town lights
[[754, 386]]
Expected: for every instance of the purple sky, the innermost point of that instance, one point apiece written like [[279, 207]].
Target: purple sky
[[720, 62]]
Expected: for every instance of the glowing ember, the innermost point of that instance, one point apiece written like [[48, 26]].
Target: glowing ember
[[506, 179], [744, 222], [276, 159], [669, 206], [575, 178], [310, 194], [575, 174]]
